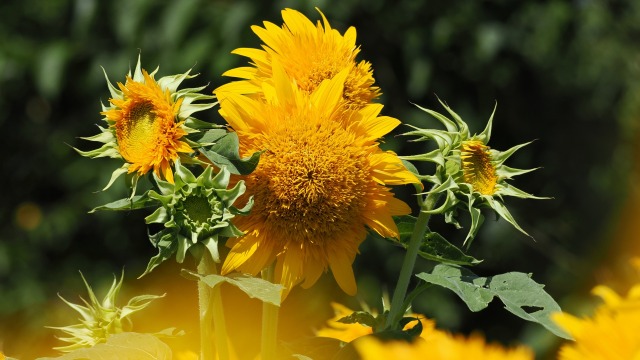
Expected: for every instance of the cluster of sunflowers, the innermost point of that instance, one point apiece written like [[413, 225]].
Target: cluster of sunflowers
[[300, 156]]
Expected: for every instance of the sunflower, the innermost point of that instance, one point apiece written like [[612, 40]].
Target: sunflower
[[439, 345], [320, 181], [613, 332], [309, 54], [147, 124], [468, 172]]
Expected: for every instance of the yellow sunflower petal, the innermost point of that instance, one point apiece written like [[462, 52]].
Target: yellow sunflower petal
[[341, 268]]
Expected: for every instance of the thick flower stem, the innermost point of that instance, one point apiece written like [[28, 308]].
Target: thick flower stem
[[397, 302], [211, 313], [269, 321]]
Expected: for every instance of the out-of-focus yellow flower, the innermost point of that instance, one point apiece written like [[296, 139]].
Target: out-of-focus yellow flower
[[612, 333], [309, 55], [439, 345]]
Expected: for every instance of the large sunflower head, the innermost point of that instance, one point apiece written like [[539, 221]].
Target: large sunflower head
[[147, 123], [309, 54], [320, 183], [468, 172]]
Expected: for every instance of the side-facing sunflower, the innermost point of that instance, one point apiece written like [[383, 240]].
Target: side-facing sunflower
[[147, 123], [320, 182], [468, 172], [309, 54]]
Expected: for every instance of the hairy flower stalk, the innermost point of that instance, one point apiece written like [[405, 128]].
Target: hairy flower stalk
[[469, 174], [147, 123], [100, 319]]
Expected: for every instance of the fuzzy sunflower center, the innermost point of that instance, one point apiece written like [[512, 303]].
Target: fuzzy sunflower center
[[310, 184], [477, 167], [197, 208], [309, 67], [138, 133]]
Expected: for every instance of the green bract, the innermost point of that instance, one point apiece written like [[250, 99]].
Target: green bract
[[469, 174], [194, 210], [100, 319]]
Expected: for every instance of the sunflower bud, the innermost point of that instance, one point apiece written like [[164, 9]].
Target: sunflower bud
[[469, 173], [100, 319], [194, 210]]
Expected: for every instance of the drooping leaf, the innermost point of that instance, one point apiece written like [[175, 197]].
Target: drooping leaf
[[520, 294], [225, 153], [123, 346], [252, 286], [434, 247]]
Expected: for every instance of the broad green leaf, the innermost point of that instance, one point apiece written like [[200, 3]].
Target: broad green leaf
[[225, 153], [520, 294], [136, 202], [252, 286], [123, 346], [209, 136], [434, 247]]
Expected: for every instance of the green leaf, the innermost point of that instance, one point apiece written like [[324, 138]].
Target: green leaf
[[316, 348], [360, 317], [434, 247], [208, 137], [123, 346], [137, 202], [520, 294], [225, 153], [252, 286]]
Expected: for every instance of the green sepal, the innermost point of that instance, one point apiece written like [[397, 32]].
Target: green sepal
[[224, 153], [166, 248], [137, 202], [504, 213], [521, 295], [254, 287]]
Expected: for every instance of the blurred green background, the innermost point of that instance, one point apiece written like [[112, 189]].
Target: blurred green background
[[564, 73]]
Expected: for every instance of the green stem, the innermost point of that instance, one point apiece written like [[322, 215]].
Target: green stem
[[397, 302], [211, 312], [269, 321]]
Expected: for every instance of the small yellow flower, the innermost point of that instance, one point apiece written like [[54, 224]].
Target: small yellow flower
[[468, 173], [612, 333], [320, 182], [349, 332], [147, 124], [439, 345], [309, 55]]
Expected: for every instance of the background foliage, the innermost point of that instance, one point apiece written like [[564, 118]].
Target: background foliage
[[566, 73]]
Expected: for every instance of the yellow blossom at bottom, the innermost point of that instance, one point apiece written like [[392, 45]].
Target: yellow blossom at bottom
[[612, 333], [439, 345]]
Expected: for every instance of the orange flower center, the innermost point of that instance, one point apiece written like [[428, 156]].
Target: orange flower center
[[477, 168]]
